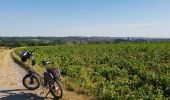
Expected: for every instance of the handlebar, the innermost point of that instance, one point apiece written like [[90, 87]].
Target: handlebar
[[43, 62]]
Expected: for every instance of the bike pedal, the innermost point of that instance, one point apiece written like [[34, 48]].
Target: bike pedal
[[42, 92]]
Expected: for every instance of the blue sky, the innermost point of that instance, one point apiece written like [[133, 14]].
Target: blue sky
[[125, 18]]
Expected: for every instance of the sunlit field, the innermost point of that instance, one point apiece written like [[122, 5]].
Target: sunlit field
[[112, 71]]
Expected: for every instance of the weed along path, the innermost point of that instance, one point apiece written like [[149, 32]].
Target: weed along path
[[11, 87]]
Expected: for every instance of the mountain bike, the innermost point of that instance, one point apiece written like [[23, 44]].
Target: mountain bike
[[49, 79]]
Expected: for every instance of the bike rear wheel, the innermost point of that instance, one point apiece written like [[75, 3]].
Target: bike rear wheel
[[31, 82], [56, 90]]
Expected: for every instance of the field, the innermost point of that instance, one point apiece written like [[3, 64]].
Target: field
[[112, 71]]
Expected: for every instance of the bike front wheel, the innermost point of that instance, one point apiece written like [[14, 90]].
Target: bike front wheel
[[31, 82], [56, 90]]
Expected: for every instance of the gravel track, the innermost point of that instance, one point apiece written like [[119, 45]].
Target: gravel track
[[11, 75]]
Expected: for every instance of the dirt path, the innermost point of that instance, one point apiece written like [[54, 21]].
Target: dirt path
[[10, 72], [11, 87], [11, 75]]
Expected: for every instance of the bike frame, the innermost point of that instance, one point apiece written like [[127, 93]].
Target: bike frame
[[41, 76]]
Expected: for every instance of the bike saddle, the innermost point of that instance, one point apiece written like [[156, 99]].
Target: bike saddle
[[45, 62]]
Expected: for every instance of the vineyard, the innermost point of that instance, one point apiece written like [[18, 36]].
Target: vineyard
[[112, 71]]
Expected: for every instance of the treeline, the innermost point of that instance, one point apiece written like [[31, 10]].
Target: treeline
[[49, 41], [28, 41], [52, 41]]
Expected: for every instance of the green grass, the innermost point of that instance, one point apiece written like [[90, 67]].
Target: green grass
[[112, 71]]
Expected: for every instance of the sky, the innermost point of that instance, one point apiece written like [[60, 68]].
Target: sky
[[60, 18]]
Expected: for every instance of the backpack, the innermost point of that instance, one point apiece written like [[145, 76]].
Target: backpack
[[55, 72]]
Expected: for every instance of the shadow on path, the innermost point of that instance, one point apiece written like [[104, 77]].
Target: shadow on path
[[18, 94]]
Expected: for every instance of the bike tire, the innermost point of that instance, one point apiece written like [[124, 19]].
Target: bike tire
[[53, 90], [27, 85]]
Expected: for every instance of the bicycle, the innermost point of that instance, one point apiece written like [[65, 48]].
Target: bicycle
[[49, 79]]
